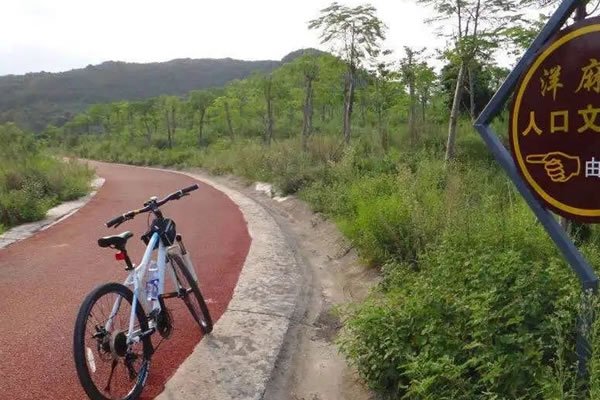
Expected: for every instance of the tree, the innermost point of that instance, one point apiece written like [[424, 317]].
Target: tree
[[273, 98], [242, 93], [117, 113], [329, 89], [521, 34], [357, 33], [477, 25], [385, 90], [53, 135], [268, 93], [99, 116], [408, 69], [200, 100], [148, 114], [228, 117], [425, 79], [489, 79], [307, 68], [310, 70], [170, 105], [79, 124]]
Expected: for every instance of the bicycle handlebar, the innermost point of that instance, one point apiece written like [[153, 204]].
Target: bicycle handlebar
[[149, 206], [190, 188]]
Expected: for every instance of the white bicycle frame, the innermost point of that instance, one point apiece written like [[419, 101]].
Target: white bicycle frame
[[136, 280]]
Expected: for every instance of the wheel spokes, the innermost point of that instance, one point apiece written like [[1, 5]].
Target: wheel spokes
[[113, 368]]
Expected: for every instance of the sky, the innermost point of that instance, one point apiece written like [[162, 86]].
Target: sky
[[59, 35]]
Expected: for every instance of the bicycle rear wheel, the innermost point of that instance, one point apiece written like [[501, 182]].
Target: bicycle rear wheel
[[107, 367], [191, 294]]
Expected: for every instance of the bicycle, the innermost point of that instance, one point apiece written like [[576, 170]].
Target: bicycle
[[117, 343]]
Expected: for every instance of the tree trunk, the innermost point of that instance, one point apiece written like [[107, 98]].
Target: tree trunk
[[472, 93], [173, 123], [169, 138], [148, 132], [228, 117], [348, 103], [382, 131], [412, 113], [423, 105], [454, 113], [201, 126], [269, 103], [308, 114]]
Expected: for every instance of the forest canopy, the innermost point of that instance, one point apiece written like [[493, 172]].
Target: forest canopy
[[35, 100]]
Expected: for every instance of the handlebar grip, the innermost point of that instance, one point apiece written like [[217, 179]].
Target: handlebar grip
[[117, 220], [190, 188]]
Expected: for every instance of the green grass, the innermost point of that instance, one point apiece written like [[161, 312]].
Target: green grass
[[31, 181], [475, 301]]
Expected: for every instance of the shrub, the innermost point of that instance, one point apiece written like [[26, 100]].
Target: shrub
[[475, 302], [31, 182], [18, 206], [470, 324]]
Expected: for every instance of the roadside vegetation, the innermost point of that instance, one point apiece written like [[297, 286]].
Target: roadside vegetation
[[32, 181], [475, 300]]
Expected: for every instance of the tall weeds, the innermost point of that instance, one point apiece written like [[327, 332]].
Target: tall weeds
[[476, 302], [31, 181]]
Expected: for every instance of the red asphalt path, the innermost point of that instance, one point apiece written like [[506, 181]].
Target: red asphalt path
[[44, 279]]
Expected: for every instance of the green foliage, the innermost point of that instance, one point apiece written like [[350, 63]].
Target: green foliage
[[470, 323], [37, 99], [475, 302], [469, 282], [521, 34], [31, 182], [356, 32], [247, 108], [487, 81]]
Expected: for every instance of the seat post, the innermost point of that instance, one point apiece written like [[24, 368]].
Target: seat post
[[126, 258], [128, 261]]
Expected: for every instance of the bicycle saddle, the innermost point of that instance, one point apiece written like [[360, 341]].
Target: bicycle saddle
[[117, 241]]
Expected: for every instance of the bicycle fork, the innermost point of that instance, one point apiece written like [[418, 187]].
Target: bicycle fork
[[186, 257]]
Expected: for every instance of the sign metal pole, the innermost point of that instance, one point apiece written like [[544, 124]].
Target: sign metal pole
[[580, 266]]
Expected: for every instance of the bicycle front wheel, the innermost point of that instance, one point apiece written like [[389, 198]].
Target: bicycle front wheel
[[191, 294], [108, 367]]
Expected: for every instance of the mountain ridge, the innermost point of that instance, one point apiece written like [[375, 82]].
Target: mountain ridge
[[34, 100]]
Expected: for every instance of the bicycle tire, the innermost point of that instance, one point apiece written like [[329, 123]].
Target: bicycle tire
[[81, 353], [202, 317]]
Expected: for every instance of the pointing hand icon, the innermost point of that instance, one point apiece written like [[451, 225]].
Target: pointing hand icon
[[559, 166]]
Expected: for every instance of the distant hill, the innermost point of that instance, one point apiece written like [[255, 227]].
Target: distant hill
[[36, 99], [298, 53]]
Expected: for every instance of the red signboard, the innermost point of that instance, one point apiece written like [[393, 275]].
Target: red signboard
[[555, 123]]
